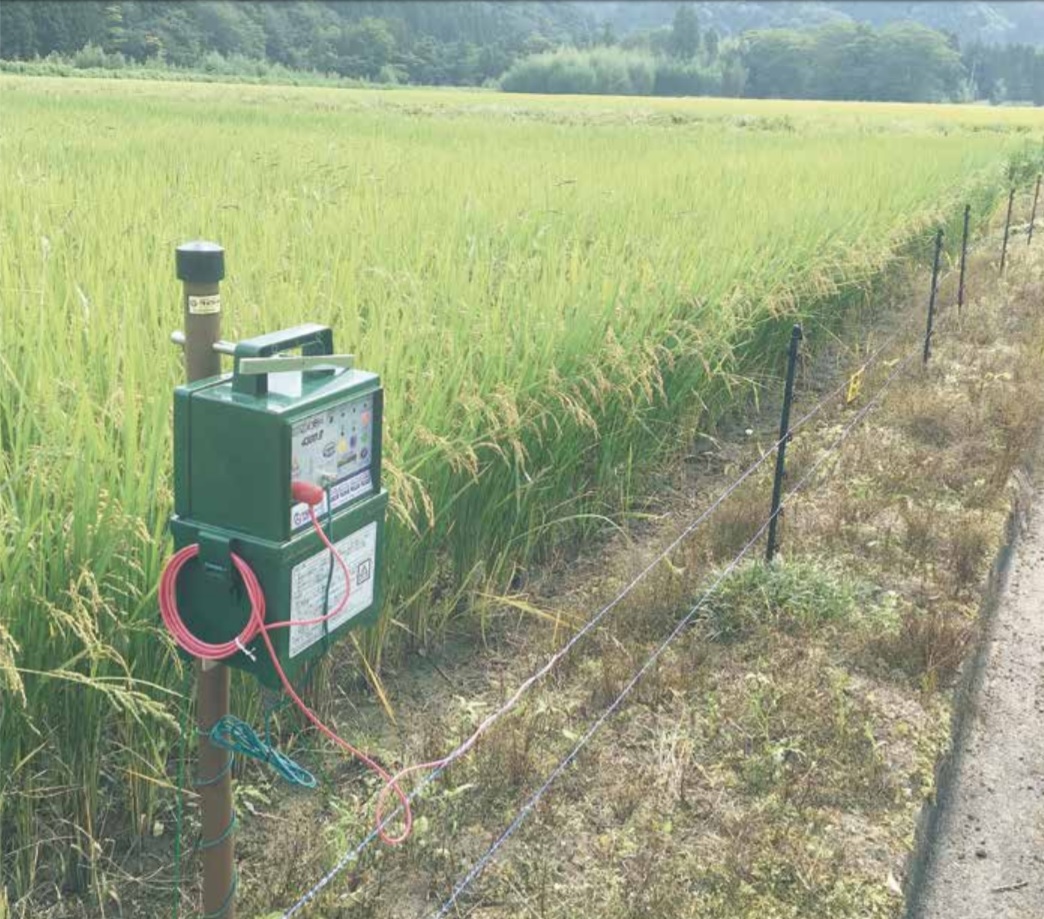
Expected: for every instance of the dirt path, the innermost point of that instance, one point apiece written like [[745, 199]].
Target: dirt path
[[988, 856]]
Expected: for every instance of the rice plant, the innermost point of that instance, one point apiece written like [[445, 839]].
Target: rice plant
[[549, 289]]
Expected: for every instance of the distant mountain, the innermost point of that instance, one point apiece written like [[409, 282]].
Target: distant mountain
[[995, 22]]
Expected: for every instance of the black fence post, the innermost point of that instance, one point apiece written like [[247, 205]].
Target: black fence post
[[964, 258], [1007, 225], [931, 298], [1033, 213], [784, 438]]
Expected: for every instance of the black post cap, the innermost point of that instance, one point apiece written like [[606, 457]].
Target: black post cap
[[200, 262]]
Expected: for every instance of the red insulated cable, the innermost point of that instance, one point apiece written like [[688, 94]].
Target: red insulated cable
[[168, 604], [255, 626]]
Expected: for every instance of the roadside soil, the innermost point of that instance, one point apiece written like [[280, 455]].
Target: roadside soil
[[987, 858]]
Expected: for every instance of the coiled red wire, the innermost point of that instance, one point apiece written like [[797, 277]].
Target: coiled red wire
[[256, 626]]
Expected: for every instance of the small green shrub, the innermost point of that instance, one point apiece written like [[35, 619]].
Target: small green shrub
[[793, 596]]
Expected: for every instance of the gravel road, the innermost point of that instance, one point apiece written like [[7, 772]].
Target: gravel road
[[987, 860]]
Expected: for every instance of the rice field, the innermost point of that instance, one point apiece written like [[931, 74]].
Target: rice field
[[555, 292]]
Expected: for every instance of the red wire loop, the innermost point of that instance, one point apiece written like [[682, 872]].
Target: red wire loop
[[256, 625], [168, 604]]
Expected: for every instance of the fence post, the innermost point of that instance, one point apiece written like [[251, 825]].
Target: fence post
[[200, 267], [1033, 213], [931, 297], [1007, 225], [964, 258], [784, 438]]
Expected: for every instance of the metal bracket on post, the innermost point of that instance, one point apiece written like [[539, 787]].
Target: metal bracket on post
[[1033, 213], [1007, 227], [784, 439], [964, 257], [201, 267], [220, 346], [931, 297]]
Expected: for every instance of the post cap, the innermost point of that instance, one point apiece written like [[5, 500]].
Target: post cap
[[200, 262]]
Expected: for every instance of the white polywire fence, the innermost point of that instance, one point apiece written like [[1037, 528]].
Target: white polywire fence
[[353, 854], [527, 808]]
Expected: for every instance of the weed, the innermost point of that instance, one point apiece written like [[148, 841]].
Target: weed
[[919, 536], [929, 644], [789, 596], [735, 523], [968, 544]]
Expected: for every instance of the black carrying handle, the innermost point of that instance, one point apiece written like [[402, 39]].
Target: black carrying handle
[[312, 339]]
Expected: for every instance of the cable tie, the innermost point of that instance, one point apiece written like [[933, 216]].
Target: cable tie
[[246, 650]]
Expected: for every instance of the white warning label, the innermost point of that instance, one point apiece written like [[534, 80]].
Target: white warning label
[[308, 584], [202, 306]]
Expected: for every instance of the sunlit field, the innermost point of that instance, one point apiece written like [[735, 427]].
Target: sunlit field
[[552, 289]]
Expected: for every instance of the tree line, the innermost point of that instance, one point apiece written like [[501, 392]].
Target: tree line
[[519, 46], [900, 62], [460, 43]]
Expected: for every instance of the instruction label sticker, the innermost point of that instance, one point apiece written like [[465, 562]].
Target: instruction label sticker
[[308, 584], [333, 445], [202, 306], [340, 494]]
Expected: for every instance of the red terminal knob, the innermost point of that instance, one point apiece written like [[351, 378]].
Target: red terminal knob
[[306, 492]]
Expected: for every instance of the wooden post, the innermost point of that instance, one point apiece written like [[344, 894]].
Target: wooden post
[[200, 267]]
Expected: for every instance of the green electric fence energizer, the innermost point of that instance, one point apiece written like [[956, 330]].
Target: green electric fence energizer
[[241, 441]]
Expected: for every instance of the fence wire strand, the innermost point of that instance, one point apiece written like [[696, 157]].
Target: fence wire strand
[[534, 799], [479, 866], [353, 854], [856, 419], [586, 629], [835, 393]]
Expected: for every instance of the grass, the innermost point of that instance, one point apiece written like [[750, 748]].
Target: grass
[[551, 291]]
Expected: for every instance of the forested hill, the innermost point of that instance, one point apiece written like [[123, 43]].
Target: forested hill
[[489, 36], [454, 42], [848, 50], [971, 22]]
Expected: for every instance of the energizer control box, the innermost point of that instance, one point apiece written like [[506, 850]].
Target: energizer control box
[[240, 441]]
